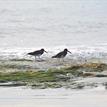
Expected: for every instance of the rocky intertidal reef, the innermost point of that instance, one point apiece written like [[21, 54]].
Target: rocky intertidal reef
[[54, 78]]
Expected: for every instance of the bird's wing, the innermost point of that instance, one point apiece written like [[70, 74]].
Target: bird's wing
[[57, 55]]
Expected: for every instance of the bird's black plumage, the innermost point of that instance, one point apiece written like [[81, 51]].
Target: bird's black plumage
[[61, 54], [37, 53]]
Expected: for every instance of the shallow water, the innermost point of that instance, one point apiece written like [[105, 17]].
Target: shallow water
[[45, 23], [27, 25], [25, 97]]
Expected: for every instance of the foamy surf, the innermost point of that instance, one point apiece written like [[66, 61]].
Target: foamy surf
[[81, 52]]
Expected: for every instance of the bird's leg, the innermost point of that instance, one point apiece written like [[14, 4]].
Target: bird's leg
[[35, 58], [58, 59], [39, 57], [62, 59]]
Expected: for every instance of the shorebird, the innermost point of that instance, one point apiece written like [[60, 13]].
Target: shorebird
[[37, 53], [61, 54]]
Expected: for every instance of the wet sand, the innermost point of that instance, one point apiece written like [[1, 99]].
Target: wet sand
[[26, 97]]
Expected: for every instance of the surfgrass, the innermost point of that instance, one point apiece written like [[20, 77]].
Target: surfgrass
[[50, 77]]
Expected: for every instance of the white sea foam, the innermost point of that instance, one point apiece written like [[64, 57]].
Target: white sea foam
[[80, 52]]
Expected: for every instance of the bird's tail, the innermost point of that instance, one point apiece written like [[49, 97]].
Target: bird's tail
[[53, 56], [29, 53]]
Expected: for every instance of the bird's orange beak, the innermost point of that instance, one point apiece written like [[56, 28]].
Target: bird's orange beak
[[45, 51], [69, 52]]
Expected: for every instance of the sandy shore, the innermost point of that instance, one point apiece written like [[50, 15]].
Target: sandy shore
[[25, 97]]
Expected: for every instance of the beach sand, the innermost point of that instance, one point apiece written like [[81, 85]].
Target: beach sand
[[26, 97]]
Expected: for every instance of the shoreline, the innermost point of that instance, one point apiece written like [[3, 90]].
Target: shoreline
[[25, 97]]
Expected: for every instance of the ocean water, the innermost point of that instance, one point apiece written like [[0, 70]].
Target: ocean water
[[27, 25]]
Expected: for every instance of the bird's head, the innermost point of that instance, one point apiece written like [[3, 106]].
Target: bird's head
[[66, 50], [43, 50]]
